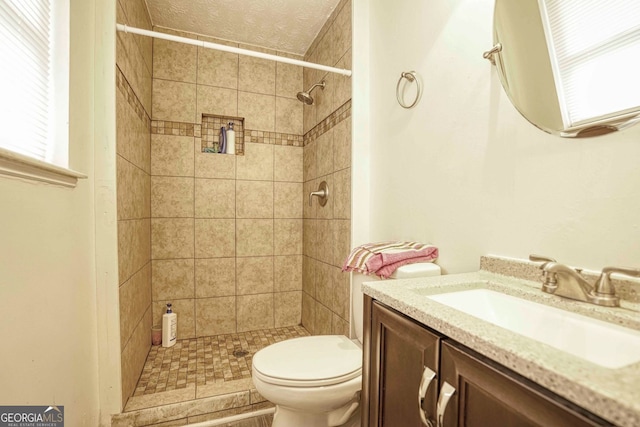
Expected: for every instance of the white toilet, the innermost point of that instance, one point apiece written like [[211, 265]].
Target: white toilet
[[315, 381]]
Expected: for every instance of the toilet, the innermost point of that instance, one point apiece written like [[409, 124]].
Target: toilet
[[316, 381]]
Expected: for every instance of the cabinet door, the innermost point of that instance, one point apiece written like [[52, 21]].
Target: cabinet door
[[403, 360], [485, 394]]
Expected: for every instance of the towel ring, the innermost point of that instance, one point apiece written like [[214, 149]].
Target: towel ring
[[411, 77]]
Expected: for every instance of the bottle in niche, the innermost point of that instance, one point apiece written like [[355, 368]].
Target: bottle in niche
[[231, 139], [169, 327]]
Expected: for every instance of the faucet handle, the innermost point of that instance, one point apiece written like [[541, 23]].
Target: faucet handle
[[541, 258], [603, 284]]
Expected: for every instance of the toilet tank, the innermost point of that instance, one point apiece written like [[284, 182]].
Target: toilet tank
[[410, 271]]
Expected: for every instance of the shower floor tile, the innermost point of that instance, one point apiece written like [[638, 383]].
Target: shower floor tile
[[206, 361]]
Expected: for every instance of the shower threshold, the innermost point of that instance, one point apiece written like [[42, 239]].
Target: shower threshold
[[199, 379]]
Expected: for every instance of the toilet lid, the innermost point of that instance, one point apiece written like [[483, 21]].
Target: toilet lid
[[309, 361]]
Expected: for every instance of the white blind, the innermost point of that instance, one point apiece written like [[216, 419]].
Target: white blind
[[26, 77], [594, 47]]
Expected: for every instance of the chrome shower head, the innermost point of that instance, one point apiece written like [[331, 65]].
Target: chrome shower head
[[306, 96]]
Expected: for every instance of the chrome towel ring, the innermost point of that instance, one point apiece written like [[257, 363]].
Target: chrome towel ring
[[411, 77]]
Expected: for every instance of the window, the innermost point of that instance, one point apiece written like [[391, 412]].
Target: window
[[594, 40], [34, 90]]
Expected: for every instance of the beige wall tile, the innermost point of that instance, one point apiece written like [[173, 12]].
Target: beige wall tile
[[256, 75], [255, 237], [254, 275], [288, 163], [174, 101], [185, 310], [287, 200], [134, 355], [339, 326], [255, 312], [215, 198], [135, 300], [324, 243], [309, 237], [341, 292], [310, 210], [287, 273], [309, 276], [171, 155], [324, 153], [215, 316], [171, 197], [173, 279], [254, 199], [309, 168], [308, 116], [309, 313], [341, 241], [259, 111], [174, 61], [172, 238], [256, 164], [287, 308], [133, 138], [216, 68], [341, 28], [132, 190], [324, 284], [138, 16], [215, 277], [210, 165], [323, 320], [216, 100], [288, 80], [288, 236], [215, 238], [342, 92], [324, 98], [289, 115], [134, 249], [342, 194], [342, 145]]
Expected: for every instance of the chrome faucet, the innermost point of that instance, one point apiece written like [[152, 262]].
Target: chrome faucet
[[564, 281]]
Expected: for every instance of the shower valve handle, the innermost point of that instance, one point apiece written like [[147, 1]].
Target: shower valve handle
[[322, 194]]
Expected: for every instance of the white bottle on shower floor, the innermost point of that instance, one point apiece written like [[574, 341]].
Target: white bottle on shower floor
[[169, 327]]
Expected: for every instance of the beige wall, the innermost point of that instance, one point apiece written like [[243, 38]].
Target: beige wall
[[133, 165], [47, 273], [464, 170], [226, 230], [327, 157]]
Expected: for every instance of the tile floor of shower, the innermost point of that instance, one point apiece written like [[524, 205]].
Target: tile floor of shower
[[202, 369]]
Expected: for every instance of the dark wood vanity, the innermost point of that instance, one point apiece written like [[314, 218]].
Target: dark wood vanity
[[415, 376]]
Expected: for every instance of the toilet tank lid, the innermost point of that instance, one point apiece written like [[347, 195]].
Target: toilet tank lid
[[310, 359], [419, 269]]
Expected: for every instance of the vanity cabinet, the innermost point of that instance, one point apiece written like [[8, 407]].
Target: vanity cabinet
[[467, 389]]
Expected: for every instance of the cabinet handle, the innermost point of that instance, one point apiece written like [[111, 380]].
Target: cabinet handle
[[446, 392], [427, 378]]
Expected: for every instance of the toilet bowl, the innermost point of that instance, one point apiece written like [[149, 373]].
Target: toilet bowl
[[316, 381]]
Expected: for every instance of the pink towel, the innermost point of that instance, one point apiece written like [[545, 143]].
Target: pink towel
[[384, 258]]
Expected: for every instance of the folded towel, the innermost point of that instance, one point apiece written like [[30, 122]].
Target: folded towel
[[383, 258]]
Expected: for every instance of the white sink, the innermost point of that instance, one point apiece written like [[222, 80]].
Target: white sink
[[599, 342]]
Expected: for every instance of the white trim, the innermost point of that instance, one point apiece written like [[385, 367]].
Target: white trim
[[233, 418], [21, 166], [231, 49]]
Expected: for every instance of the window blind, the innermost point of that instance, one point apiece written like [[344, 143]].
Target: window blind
[[26, 77], [594, 47]]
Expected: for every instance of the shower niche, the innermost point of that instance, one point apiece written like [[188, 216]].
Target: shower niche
[[211, 133]]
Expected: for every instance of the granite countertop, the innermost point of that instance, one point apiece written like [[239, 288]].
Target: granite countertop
[[613, 394]]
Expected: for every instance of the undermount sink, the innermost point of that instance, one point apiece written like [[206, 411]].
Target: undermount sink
[[599, 342]]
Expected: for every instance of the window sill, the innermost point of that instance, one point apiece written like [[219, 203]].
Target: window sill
[[20, 166]]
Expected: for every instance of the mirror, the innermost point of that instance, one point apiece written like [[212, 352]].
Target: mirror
[[533, 79]]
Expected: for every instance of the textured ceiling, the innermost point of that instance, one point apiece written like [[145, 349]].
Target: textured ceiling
[[284, 25]]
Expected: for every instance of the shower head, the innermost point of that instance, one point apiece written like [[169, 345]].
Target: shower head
[[306, 96]]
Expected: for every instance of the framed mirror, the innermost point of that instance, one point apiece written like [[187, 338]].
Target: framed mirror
[[570, 67]]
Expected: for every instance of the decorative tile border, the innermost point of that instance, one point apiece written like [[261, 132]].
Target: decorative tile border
[[126, 89], [343, 112], [164, 127], [274, 138]]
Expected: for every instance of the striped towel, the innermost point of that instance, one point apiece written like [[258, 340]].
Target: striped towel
[[384, 258]]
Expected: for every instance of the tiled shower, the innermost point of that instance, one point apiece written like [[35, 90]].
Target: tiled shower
[[229, 240]]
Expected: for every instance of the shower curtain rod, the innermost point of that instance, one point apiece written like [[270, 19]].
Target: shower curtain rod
[[216, 46]]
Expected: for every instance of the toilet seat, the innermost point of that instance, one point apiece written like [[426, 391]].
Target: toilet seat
[[309, 361]]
